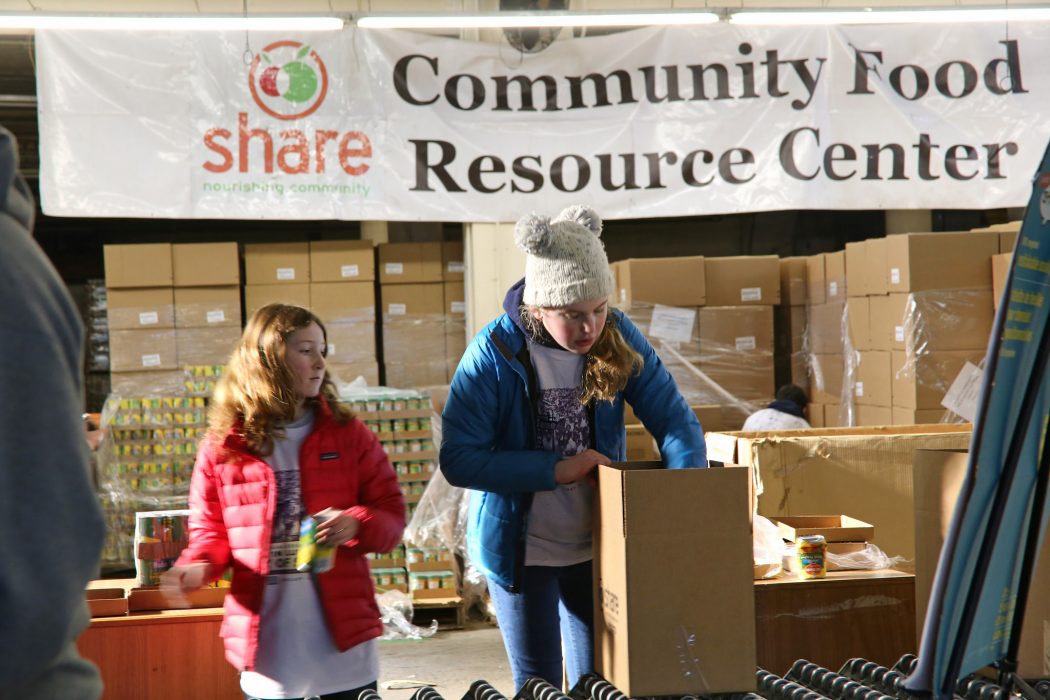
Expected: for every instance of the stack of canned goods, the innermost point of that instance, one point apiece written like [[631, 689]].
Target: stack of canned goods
[[431, 580]]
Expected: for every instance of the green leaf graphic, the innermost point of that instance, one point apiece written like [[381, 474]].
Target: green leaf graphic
[[302, 52], [266, 58]]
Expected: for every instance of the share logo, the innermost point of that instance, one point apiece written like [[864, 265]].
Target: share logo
[[288, 80]]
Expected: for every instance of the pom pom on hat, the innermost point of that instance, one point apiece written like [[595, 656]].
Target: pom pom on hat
[[566, 261]]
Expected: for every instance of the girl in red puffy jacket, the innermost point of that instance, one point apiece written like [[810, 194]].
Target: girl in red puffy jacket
[[280, 447]]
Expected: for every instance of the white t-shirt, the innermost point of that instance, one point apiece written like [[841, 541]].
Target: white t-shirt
[[559, 529], [772, 419], [296, 656]]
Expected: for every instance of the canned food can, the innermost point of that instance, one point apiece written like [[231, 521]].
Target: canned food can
[[812, 556], [313, 556]]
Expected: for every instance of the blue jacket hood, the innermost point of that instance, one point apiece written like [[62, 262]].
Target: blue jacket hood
[[512, 304]]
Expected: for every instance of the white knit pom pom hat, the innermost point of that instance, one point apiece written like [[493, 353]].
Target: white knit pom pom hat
[[566, 260]]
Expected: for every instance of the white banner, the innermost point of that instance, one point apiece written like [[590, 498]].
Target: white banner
[[655, 122]]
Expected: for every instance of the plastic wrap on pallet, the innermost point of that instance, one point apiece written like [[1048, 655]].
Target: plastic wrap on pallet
[[395, 609], [717, 355], [205, 346]]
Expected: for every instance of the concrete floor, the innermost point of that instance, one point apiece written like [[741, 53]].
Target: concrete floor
[[450, 660]]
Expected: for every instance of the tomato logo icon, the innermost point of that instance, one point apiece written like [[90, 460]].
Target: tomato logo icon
[[288, 80]]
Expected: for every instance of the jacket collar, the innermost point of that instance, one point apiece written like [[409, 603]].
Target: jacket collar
[[234, 439]]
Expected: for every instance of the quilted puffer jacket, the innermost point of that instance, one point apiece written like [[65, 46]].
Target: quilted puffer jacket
[[232, 504]]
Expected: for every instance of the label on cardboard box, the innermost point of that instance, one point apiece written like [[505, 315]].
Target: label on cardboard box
[[961, 398], [286, 273], [152, 360], [331, 349], [148, 318], [833, 289], [456, 266], [859, 389], [898, 333], [895, 275], [459, 307], [216, 316], [396, 309], [623, 295], [349, 271], [751, 294], [746, 342], [672, 323], [394, 268]]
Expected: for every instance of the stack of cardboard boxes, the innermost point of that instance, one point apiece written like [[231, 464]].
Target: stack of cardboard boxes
[[711, 322], [791, 361], [421, 293], [824, 344]]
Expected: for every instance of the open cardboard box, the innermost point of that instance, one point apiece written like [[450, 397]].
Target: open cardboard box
[[834, 528], [107, 602]]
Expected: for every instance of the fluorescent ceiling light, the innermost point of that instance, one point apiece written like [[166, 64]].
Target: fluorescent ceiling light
[[890, 16], [165, 23], [526, 20]]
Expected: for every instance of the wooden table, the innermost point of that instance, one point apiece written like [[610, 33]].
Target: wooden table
[[869, 614], [161, 655]]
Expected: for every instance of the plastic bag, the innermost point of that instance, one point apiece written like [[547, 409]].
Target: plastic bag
[[395, 609], [869, 558], [767, 547]]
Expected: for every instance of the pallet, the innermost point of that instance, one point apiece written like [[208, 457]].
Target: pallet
[[450, 612]]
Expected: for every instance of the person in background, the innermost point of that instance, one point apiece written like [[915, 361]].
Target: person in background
[[536, 404], [279, 447], [49, 514], [786, 412]]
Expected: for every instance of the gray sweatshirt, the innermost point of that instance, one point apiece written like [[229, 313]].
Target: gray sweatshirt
[[51, 527]]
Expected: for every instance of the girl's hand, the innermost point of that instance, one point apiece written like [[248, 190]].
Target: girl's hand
[[338, 528], [177, 581], [574, 468]]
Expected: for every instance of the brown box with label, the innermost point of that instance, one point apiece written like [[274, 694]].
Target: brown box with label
[[351, 343], [207, 307], [342, 261], [413, 328], [455, 321], [885, 316], [452, 261], [416, 374], [206, 264], [276, 263], [142, 350], [668, 281], [835, 276], [872, 380], [825, 328], [257, 296], [918, 262], [921, 381], [735, 331], [743, 279], [138, 265], [646, 518], [825, 380], [147, 308], [410, 263], [343, 302], [793, 281], [816, 276], [856, 269], [876, 274], [205, 346]]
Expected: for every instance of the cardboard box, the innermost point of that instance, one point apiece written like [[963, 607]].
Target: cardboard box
[[885, 316], [921, 416], [872, 415], [348, 373], [205, 346], [351, 343], [793, 281], [455, 300], [207, 307], [342, 261], [139, 265], [866, 472], [921, 381], [872, 380], [1000, 273], [205, 265], [1008, 239], [452, 261], [160, 383], [835, 276], [735, 331], [138, 350], [834, 528], [876, 274], [128, 309], [151, 598], [640, 444], [919, 262], [858, 316], [257, 296], [825, 379], [825, 328], [651, 599], [789, 329], [668, 281], [834, 416], [415, 374], [276, 263], [412, 302], [816, 289], [957, 319], [410, 263], [107, 602], [815, 414], [343, 302], [743, 279], [856, 269]]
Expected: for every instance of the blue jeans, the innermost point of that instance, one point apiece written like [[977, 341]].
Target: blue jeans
[[555, 605]]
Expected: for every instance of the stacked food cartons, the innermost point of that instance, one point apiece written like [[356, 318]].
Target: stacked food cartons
[[145, 463], [388, 570]]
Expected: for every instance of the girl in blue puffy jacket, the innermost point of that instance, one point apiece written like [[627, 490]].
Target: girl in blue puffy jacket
[[536, 404]]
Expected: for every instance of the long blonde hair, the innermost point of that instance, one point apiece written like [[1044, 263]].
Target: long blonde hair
[[257, 389], [609, 364]]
